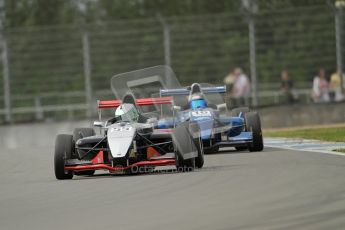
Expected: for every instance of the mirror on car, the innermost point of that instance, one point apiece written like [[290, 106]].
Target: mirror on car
[[98, 124]]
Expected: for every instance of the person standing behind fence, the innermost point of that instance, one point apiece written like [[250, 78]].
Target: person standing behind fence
[[320, 87], [287, 86], [335, 90], [229, 81], [241, 88]]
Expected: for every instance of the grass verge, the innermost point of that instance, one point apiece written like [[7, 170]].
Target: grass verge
[[333, 134]]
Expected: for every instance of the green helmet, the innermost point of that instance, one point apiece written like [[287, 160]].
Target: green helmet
[[127, 112]]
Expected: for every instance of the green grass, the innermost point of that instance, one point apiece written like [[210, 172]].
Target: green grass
[[336, 134], [333, 134]]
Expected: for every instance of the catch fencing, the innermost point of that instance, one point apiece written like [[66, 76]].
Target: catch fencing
[[59, 72]]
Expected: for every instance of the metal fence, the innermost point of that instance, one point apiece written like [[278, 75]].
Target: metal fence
[[59, 72]]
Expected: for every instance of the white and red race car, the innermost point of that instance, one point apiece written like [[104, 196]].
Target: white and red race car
[[130, 141]]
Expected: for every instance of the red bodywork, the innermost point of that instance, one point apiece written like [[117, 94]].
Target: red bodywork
[[108, 104], [98, 164], [113, 169]]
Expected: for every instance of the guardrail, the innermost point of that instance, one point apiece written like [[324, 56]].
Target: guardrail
[[72, 105], [267, 98]]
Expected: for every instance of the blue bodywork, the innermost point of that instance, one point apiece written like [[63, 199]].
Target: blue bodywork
[[216, 130]]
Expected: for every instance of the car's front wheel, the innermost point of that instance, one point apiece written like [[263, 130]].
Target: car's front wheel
[[63, 152]]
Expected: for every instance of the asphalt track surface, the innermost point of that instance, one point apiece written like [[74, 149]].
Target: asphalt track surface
[[273, 189]]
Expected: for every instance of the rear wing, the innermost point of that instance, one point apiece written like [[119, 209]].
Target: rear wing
[[185, 91], [108, 104]]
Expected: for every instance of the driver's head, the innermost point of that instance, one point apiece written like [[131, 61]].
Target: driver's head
[[197, 101], [195, 88], [127, 112]]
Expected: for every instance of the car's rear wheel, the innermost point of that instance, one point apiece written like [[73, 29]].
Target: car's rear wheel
[[194, 130], [199, 161], [79, 133], [63, 152], [185, 165], [253, 124], [183, 143]]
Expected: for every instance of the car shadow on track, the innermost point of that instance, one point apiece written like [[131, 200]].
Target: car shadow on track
[[226, 151], [161, 172]]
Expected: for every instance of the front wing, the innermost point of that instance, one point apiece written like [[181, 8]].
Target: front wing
[[243, 139], [97, 163]]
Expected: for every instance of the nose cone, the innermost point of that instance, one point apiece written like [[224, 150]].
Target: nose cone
[[206, 128], [120, 139]]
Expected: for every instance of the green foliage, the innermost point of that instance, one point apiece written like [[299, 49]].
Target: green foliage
[[208, 38], [22, 13]]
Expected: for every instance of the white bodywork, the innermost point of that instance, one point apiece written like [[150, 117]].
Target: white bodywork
[[120, 138]]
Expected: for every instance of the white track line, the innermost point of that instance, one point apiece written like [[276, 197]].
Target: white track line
[[285, 143]]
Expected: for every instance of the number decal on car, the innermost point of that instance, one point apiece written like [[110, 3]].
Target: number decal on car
[[121, 129], [201, 113]]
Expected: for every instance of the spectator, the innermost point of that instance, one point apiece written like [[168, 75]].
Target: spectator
[[229, 81], [335, 90], [287, 86], [241, 88], [320, 87]]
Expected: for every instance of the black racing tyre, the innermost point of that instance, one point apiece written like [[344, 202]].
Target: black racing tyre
[[189, 164], [253, 124], [194, 129], [81, 133], [63, 151], [185, 165], [199, 161], [236, 112], [183, 144]]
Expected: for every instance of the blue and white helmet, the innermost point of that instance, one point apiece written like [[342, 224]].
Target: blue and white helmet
[[196, 97], [197, 101]]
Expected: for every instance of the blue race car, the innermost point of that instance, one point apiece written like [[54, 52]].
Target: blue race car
[[241, 130]]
